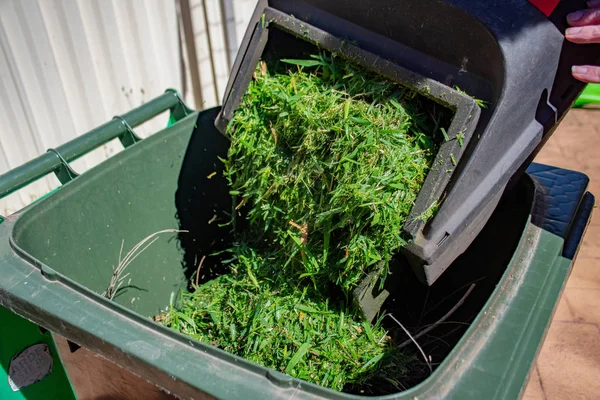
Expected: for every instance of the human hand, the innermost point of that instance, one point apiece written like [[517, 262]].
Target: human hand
[[585, 29]]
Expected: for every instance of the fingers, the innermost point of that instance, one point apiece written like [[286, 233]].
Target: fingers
[[585, 28], [583, 34], [591, 16], [586, 73]]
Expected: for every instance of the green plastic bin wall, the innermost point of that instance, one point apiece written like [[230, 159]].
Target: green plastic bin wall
[[57, 256]]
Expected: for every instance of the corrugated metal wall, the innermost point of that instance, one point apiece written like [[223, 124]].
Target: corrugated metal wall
[[67, 66], [237, 14]]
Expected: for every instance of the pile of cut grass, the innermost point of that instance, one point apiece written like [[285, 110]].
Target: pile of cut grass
[[324, 166], [257, 315], [329, 160]]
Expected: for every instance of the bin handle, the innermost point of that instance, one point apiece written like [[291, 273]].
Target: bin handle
[[121, 127], [64, 173], [127, 140]]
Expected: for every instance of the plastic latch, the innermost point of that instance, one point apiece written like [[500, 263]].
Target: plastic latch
[[545, 6], [64, 173], [129, 137], [179, 111], [179, 99]]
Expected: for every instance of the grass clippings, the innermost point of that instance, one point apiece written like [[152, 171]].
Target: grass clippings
[[324, 166], [330, 160], [257, 315]]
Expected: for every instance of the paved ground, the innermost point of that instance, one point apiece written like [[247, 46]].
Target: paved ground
[[568, 366]]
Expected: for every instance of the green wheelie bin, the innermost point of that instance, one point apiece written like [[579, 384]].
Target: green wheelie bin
[[57, 258]]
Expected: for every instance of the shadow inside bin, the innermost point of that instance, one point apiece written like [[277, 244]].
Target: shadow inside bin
[[450, 304], [202, 200]]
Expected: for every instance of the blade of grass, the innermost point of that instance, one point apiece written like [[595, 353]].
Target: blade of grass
[[297, 357]]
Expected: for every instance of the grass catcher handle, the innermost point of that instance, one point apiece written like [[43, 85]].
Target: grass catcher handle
[[121, 127]]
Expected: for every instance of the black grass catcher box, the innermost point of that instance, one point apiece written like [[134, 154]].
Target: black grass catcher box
[[502, 68]]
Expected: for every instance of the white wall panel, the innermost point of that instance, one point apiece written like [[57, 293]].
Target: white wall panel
[[67, 66], [237, 14], [243, 11]]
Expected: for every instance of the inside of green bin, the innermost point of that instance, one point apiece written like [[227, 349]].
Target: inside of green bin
[[167, 182]]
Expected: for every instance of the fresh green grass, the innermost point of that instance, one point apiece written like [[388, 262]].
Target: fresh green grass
[[324, 166], [329, 160], [256, 314]]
